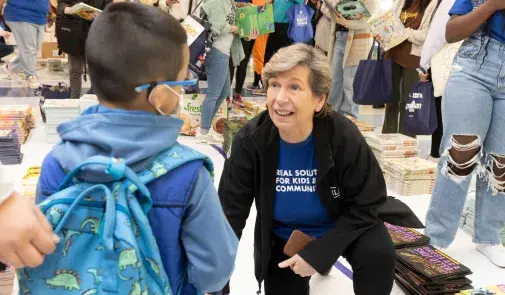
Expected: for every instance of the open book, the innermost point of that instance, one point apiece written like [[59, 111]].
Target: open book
[[389, 29], [84, 10]]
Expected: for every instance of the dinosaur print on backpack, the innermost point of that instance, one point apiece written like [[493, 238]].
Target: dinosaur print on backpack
[[106, 242]]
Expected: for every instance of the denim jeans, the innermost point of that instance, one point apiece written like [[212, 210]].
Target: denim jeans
[[29, 39], [218, 78], [342, 93], [473, 105]]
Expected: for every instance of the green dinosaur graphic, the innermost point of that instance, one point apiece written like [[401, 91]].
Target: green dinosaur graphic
[[97, 275], [68, 234], [94, 225], [146, 292], [136, 289], [158, 169], [175, 155], [132, 188], [133, 224], [128, 257], [154, 265], [55, 215], [100, 247], [67, 279], [90, 292]]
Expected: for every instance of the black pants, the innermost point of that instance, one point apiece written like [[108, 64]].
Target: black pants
[[5, 50], [403, 80], [277, 40], [242, 68], [372, 257], [436, 138]]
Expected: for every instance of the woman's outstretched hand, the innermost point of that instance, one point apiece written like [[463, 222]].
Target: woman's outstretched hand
[[298, 266]]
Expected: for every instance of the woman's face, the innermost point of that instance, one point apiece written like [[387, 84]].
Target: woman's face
[[291, 102]]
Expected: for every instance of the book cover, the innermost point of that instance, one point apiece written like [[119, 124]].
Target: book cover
[[431, 263], [255, 20], [83, 10], [404, 237], [389, 29], [490, 290], [353, 10]]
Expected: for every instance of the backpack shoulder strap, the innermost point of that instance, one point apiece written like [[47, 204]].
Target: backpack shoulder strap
[[171, 159]]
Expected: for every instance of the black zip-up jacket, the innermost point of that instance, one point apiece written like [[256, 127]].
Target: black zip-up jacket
[[350, 184]]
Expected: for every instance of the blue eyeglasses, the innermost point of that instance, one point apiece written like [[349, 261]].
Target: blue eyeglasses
[[186, 83]]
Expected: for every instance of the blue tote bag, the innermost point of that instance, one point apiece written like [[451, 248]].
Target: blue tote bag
[[373, 83], [300, 25], [420, 110]]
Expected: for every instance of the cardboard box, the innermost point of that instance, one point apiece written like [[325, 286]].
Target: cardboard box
[[50, 50], [192, 113]]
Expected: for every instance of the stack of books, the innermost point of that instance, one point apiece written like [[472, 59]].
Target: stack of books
[[18, 118], [490, 290], [363, 126], [86, 101], [59, 111], [425, 270], [411, 176], [466, 223], [30, 181], [406, 237], [391, 146], [7, 275], [10, 148]]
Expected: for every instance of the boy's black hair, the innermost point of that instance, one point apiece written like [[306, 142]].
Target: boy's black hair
[[133, 44]]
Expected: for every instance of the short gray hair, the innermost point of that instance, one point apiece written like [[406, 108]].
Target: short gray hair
[[303, 55]]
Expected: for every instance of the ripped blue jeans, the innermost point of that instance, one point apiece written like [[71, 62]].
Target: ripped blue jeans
[[473, 143]]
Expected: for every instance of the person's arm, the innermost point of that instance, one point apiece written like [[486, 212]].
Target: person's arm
[[236, 187], [436, 37], [363, 192], [26, 235], [465, 22], [210, 243], [217, 19]]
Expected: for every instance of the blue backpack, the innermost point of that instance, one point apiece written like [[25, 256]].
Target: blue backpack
[[107, 245]]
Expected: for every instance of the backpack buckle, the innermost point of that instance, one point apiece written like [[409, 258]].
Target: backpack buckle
[[116, 168]]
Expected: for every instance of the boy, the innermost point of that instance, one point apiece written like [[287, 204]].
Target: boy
[[130, 45]]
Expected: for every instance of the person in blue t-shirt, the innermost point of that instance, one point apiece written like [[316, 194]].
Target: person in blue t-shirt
[[137, 118], [27, 20], [474, 129], [308, 168]]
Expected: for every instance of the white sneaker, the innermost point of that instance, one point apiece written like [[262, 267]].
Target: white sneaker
[[495, 253], [207, 138], [33, 82]]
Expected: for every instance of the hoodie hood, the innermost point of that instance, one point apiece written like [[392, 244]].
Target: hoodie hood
[[135, 136]]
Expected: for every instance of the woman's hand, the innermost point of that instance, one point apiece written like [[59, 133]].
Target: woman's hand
[[67, 11], [233, 29], [241, 4], [26, 235], [5, 34], [298, 266], [423, 77], [171, 2]]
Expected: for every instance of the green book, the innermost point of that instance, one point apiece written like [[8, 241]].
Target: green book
[[255, 18], [353, 10]]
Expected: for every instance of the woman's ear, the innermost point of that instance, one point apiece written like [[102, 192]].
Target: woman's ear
[[321, 102]]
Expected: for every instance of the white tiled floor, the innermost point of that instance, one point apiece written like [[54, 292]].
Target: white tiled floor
[[243, 282]]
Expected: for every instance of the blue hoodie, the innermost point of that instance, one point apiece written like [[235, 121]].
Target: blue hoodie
[[202, 241]]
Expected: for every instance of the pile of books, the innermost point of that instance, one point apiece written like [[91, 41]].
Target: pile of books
[[7, 275], [490, 290], [391, 146], [424, 270], [10, 148], [59, 111], [18, 118], [362, 125], [411, 176], [231, 127], [466, 223], [30, 181]]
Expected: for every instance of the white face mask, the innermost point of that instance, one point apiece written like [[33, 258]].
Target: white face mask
[[180, 105]]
